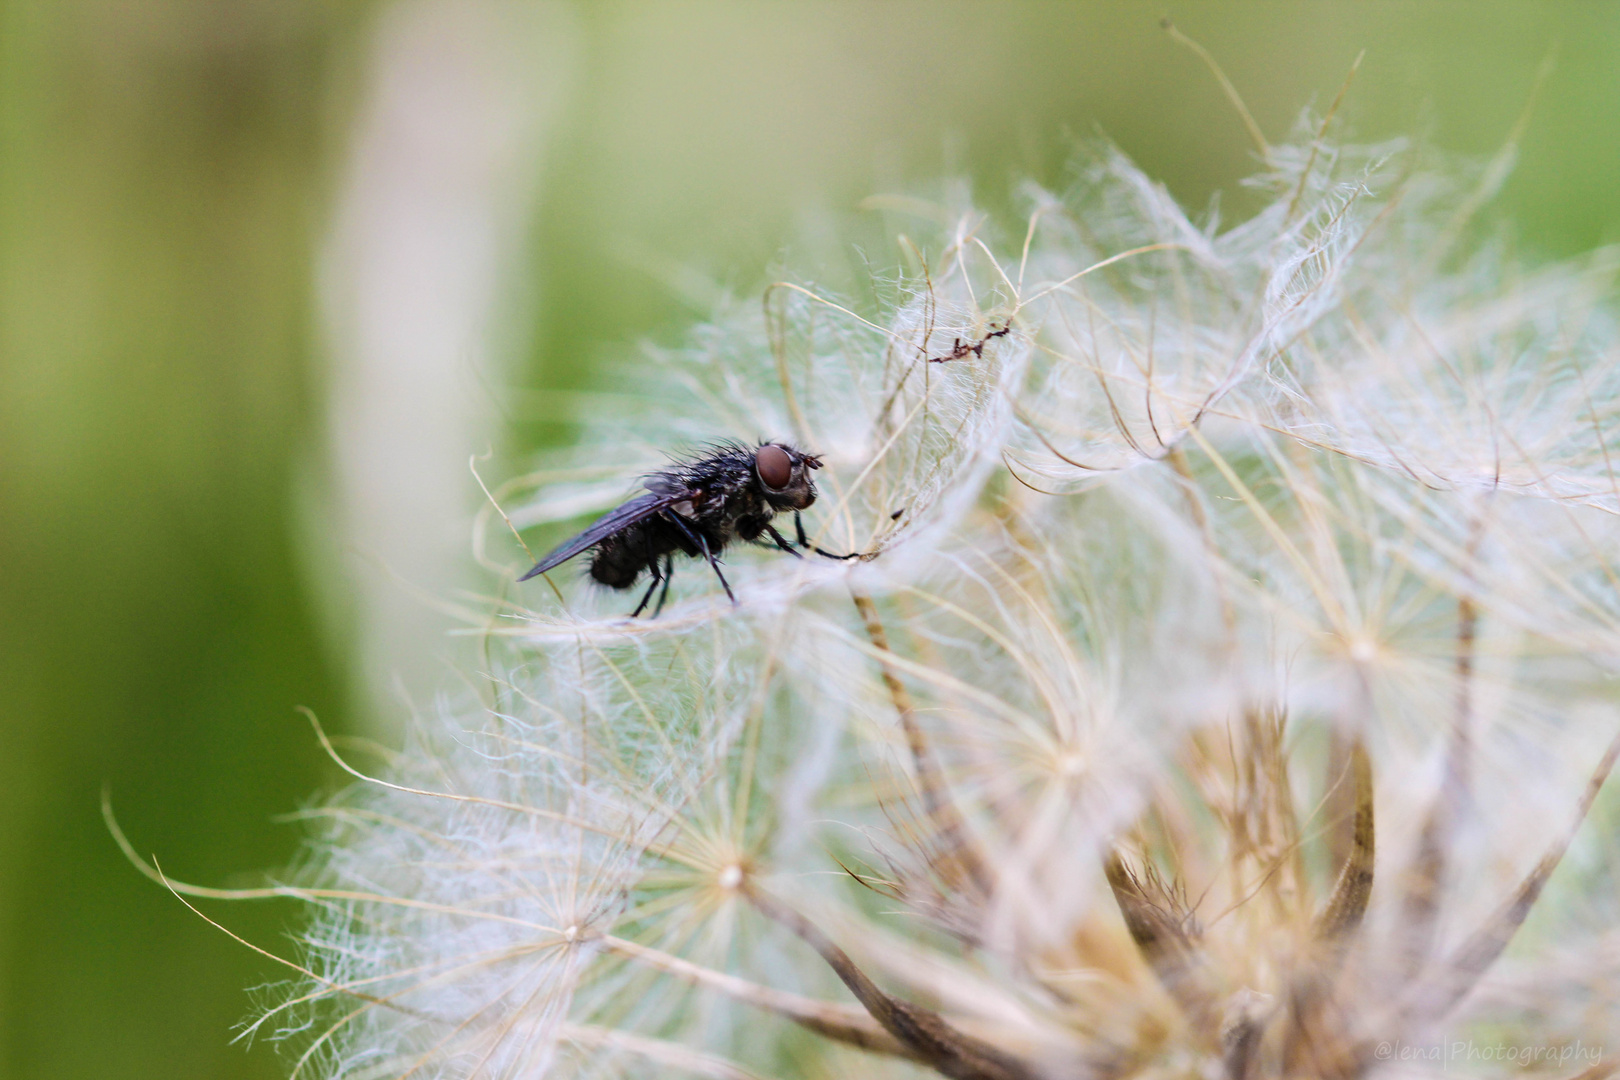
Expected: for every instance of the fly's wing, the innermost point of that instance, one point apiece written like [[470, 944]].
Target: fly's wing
[[638, 509]]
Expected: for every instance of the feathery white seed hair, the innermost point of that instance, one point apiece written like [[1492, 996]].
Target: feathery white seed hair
[[1234, 543]]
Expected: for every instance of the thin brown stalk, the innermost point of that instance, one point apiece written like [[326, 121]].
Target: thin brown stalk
[[1338, 806], [1470, 960], [1232, 95], [1348, 903], [1264, 822], [1321, 134], [1425, 877], [934, 1040], [959, 861], [1240, 1041], [1314, 1043], [1168, 941]]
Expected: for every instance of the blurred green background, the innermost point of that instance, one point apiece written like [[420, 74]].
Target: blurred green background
[[221, 366]]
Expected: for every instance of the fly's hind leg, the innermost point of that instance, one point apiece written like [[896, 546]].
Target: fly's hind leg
[[804, 542], [656, 578], [669, 572]]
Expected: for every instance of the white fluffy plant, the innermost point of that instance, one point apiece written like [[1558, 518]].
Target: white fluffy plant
[[1232, 667]]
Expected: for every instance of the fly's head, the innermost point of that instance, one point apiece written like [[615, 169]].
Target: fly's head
[[784, 476]]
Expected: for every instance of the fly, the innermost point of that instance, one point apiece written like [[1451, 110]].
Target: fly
[[697, 507]]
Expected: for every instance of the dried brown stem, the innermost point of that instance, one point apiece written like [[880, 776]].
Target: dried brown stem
[[1170, 944], [1425, 877], [1314, 1044], [930, 1036], [959, 861], [1348, 903], [1471, 959], [1240, 1042]]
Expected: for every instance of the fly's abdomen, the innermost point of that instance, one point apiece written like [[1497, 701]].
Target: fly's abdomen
[[621, 558]]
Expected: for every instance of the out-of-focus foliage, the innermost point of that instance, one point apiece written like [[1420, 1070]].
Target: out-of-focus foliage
[[167, 173], [161, 178]]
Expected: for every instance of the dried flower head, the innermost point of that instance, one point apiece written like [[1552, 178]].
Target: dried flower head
[[1232, 666]]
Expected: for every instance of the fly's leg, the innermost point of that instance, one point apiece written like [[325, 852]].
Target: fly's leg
[[646, 596], [669, 572], [781, 541], [804, 542], [715, 566], [703, 546], [841, 558], [652, 562]]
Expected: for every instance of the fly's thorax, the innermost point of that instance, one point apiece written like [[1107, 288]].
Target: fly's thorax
[[745, 502]]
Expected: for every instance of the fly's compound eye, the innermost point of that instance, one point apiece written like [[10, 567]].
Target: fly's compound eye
[[774, 465]]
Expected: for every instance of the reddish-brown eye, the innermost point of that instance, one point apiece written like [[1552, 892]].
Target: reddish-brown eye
[[774, 465]]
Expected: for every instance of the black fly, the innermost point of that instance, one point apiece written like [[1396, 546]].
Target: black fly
[[697, 507]]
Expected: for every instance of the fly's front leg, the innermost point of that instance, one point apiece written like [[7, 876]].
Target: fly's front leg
[[781, 541], [702, 545], [804, 542]]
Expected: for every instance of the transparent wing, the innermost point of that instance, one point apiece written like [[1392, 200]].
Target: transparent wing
[[638, 509]]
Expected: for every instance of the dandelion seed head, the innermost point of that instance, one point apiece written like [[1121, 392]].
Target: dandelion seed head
[[1240, 633]]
